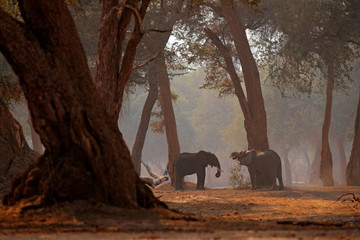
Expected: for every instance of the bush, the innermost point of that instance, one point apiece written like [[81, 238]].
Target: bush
[[239, 179]]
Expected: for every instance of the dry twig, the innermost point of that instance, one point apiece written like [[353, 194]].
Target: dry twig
[[354, 198]]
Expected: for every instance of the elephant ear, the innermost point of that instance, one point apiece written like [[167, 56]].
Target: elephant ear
[[202, 156], [246, 157]]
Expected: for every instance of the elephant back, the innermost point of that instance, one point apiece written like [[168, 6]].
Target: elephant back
[[272, 154]]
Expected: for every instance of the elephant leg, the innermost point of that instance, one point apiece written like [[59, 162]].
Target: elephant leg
[[279, 177], [200, 179], [179, 183], [252, 178], [259, 176]]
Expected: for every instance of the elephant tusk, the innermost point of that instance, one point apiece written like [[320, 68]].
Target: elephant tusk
[[219, 169]]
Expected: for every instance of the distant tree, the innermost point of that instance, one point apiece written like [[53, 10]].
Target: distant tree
[[217, 41], [252, 104], [294, 120], [353, 167], [342, 129], [157, 76], [169, 116], [311, 39], [216, 38], [144, 121], [86, 156]]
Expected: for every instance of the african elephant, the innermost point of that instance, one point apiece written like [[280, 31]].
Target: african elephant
[[266, 162], [190, 163]]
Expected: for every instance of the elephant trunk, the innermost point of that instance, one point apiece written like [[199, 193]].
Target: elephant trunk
[[218, 173]]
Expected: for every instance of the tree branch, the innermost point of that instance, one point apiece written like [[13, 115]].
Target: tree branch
[[224, 52], [139, 17], [147, 62], [14, 42]]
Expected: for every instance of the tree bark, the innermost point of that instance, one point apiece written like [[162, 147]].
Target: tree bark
[[353, 166], [113, 70], [145, 119], [86, 156], [15, 153], [326, 164], [255, 126], [169, 116]]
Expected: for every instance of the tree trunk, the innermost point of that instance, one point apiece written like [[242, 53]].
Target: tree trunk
[[315, 166], [35, 138], [252, 106], [145, 119], [239, 92], [15, 153], [326, 164], [113, 70], [353, 166], [169, 116], [86, 156], [340, 144], [256, 126], [288, 177]]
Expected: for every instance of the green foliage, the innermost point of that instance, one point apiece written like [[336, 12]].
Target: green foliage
[[11, 7], [305, 37], [238, 178]]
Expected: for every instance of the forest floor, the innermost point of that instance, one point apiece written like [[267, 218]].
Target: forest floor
[[296, 212]]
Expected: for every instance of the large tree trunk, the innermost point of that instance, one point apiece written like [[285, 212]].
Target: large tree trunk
[[251, 105], [145, 119], [326, 164], [86, 156], [353, 166], [256, 127], [15, 153], [169, 116], [114, 64]]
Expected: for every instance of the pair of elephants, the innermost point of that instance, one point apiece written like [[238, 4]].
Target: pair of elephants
[[263, 166]]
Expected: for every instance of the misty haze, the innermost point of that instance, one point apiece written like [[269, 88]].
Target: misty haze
[[179, 119]]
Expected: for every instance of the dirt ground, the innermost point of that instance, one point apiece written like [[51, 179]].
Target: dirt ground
[[296, 212]]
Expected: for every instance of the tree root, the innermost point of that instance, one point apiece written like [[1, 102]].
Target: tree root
[[353, 199]]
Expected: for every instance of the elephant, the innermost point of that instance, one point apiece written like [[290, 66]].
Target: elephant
[[266, 163], [190, 163]]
